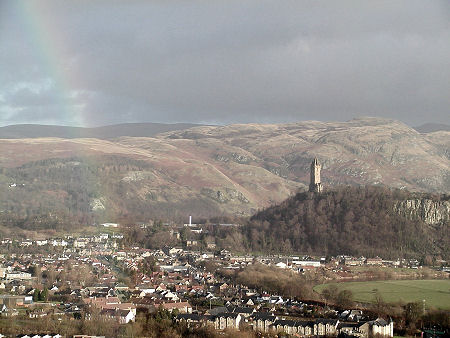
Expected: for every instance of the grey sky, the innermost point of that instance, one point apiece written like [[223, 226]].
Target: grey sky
[[101, 62]]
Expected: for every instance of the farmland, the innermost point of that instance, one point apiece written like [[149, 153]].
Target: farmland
[[436, 293]]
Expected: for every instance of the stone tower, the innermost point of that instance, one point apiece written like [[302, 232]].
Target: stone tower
[[315, 185]]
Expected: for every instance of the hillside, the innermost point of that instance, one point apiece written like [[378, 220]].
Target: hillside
[[213, 170], [366, 221]]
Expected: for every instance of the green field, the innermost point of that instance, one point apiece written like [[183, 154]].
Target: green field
[[435, 292]]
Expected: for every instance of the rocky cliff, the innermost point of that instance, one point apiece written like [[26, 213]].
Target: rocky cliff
[[429, 211]]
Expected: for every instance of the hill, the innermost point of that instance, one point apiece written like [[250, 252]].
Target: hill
[[20, 131], [213, 170], [432, 127], [357, 221]]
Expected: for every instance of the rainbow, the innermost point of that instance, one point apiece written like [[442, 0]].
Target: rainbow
[[55, 56]]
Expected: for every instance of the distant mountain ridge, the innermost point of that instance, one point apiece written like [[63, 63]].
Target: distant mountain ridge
[[432, 127], [19, 131]]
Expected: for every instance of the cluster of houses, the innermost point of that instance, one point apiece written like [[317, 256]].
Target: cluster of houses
[[234, 317], [237, 317], [377, 261], [100, 241], [83, 275]]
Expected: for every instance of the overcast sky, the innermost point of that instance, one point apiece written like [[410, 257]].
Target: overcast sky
[[93, 63]]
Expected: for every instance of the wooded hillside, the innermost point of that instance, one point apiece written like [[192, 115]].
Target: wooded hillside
[[347, 220]]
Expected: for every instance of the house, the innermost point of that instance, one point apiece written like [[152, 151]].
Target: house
[[182, 288], [58, 242], [374, 261], [171, 251], [227, 320], [378, 327], [318, 327], [80, 243], [161, 287], [37, 313], [243, 311], [13, 301], [190, 318], [277, 300], [350, 330], [368, 329], [350, 261], [191, 242], [210, 244], [249, 302], [110, 225], [351, 315], [223, 287], [121, 287], [220, 321], [261, 321], [304, 328], [101, 302], [326, 327], [197, 288], [122, 316], [170, 295], [146, 289], [26, 243], [217, 310], [281, 265], [18, 276], [144, 303], [309, 263], [182, 307], [8, 312]]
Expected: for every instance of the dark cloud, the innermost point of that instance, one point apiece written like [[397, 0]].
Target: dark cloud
[[224, 61]]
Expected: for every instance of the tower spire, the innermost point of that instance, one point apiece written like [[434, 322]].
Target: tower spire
[[315, 185]]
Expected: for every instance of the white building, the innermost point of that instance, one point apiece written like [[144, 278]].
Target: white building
[[18, 275], [110, 225], [314, 264]]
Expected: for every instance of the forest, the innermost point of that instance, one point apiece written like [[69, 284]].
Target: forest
[[345, 220]]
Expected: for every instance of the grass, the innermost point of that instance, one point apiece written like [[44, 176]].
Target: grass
[[435, 292]]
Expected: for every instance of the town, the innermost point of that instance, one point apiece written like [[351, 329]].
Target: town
[[96, 277]]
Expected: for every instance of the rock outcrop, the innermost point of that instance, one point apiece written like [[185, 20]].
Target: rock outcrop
[[429, 211]]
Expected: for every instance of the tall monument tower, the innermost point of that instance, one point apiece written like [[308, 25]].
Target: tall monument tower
[[315, 185]]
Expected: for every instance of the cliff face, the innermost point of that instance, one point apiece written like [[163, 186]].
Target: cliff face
[[429, 211]]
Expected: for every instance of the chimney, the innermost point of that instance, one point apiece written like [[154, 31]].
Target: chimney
[[190, 220]]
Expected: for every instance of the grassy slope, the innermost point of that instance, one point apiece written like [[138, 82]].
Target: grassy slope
[[435, 292]]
